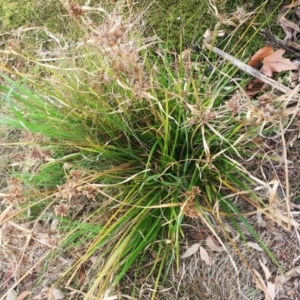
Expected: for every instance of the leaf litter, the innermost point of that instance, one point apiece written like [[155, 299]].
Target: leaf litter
[[194, 249], [272, 61]]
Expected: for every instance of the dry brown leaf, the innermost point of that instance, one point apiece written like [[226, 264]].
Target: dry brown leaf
[[260, 221], [204, 256], [274, 231], [23, 295], [260, 55], [236, 238], [280, 280], [270, 284], [208, 34], [269, 288], [190, 251], [212, 246], [253, 87], [82, 276], [276, 63], [254, 246], [287, 25], [94, 258], [228, 229], [260, 284], [293, 4]]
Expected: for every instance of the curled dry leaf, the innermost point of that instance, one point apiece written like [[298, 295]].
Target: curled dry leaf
[[288, 25], [260, 55], [208, 35], [276, 63], [190, 251], [236, 238], [228, 229], [253, 87]]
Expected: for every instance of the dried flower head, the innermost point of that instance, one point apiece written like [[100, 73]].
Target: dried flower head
[[265, 99], [75, 10], [233, 105], [76, 174], [114, 40], [27, 136], [68, 191], [71, 190], [199, 116], [14, 181], [188, 208], [39, 154], [61, 210], [13, 44], [90, 191], [15, 192], [9, 199], [240, 14]]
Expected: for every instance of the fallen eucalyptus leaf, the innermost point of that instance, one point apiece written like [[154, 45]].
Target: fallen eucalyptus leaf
[[190, 251], [255, 246], [270, 282], [204, 256], [212, 246]]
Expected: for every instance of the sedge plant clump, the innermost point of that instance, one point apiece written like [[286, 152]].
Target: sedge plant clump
[[140, 142]]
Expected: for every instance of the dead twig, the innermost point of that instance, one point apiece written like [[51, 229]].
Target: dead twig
[[279, 43]]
